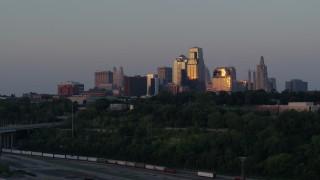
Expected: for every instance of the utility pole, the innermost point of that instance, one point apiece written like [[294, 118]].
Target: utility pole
[[72, 120]]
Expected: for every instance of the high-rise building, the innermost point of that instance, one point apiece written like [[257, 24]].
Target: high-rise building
[[208, 76], [70, 88], [272, 84], [196, 69], [249, 82], [224, 79], [261, 81], [165, 75], [135, 86], [118, 77], [180, 70], [296, 85], [103, 78], [242, 85], [152, 84]]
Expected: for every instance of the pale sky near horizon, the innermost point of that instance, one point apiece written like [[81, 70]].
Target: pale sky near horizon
[[43, 43]]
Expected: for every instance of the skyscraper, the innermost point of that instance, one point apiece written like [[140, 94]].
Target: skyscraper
[[249, 83], [196, 69], [165, 75], [180, 70], [272, 84], [118, 77], [102, 78], [261, 81], [135, 86], [224, 79], [207, 76], [152, 84]]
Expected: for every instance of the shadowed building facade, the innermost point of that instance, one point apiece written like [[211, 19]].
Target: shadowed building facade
[[296, 85], [135, 86], [165, 75]]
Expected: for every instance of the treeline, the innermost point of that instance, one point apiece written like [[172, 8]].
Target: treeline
[[286, 146], [24, 111]]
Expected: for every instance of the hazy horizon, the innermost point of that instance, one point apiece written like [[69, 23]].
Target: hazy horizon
[[43, 43]]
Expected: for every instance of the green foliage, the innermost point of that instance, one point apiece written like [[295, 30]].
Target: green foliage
[[23, 111], [203, 131]]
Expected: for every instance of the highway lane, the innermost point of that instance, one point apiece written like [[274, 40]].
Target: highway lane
[[50, 168]]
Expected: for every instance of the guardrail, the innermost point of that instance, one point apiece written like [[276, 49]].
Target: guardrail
[[103, 160]]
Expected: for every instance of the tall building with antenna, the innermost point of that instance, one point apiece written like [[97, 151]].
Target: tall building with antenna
[[261, 81]]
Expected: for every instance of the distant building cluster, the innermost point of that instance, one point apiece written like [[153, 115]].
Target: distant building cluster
[[296, 85], [186, 73]]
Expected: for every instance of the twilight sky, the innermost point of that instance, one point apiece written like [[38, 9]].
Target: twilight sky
[[43, 42]]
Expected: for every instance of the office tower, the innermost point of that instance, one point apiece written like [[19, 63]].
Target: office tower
[[152, 84], [118, 77], [165, 75], [180, 71], [196, 69], [249, 82], [272, 84], [296, 85], [242, 85], [70, 88], [135, 86], [261, 76], [207, 76], [224, 79], [254, 80], [102, 78]]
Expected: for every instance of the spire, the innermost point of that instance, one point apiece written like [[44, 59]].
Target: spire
[[261, 60]]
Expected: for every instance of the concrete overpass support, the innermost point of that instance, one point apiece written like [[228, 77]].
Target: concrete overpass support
[[4, 141], [12, 140], [7, 140]]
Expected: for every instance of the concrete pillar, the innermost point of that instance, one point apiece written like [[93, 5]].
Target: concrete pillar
[[8, 141], [4, 141], [11, 147]]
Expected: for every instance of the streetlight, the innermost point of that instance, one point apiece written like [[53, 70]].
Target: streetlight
[[243, 159]]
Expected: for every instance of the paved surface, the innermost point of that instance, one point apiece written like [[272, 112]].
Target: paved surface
[[52, 169]]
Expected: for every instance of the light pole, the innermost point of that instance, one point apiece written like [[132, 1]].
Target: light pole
[[243, 159]]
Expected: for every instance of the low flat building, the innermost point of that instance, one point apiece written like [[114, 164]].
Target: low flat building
[[300, 106], [297, 106]]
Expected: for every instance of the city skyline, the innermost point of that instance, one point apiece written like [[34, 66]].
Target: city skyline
[[45, 43]]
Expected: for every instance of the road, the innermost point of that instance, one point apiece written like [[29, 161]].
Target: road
[[52, 169], [14, 128]]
